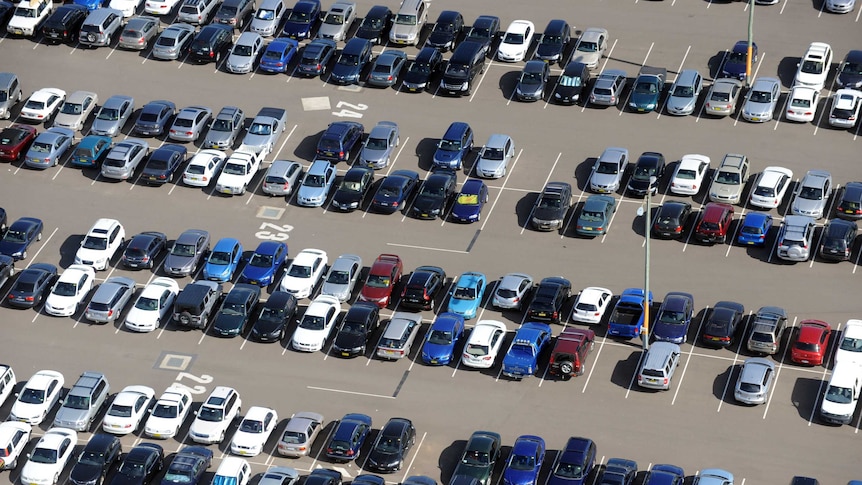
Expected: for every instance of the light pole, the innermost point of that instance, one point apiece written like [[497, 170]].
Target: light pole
[[750, 42], [647, 226]]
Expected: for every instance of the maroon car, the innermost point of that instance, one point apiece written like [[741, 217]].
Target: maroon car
[[15, 141], [382, 278], [568, 358]]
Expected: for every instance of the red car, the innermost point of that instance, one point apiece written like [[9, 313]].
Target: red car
[[15, 141], [382, 278], [570, 352], [811, 342]]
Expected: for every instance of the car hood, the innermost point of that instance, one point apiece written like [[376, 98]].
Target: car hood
[[446, 156], [307, 192], [806, 205], [465, 210], [346, 340], [228, 322], [33, 471], [440, 38], [10, 248], [91, 254], [267, 326], [480, 472], [510, 50], [256, 273], [670, 332], [678, 103], [758, 108], [486, 165], [415, 77], [365, 32], [306, 336], [604, 179], [218, 136], [588, 58], [217, 270], [208, 428], [25, 410], [518, 477], [549, 51], [82, 473], [58, 301], [375, 293], [383, 459], [462, 306], [734, 68], [436, 351], [546, 214], [294, 284], [644, 99], [530, 88], [850, 80], [723, 189], [62, 119], [342, 71], [142, 317], [340, 291], [346, 196], [329, 30], [179, 262], [373, 154], [104, 126], [256, 141], [569, 91], [638, 184], [425, 203], [292, 28]]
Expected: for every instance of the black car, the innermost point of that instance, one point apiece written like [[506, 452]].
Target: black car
[[98, 457], [375, 25], [549, 298], [394, 191], [357, 326], [7, 268], [315, 58], [723, 321], [32, 285], [338, 140], [163, 164], [573, 83], [391, 446], [353, 58], [213, 42], [64, 24], [552, 206], [143, 249], [6, 10], [837, 240], [850, 70], [140, 465], [671, 218], [446, 31], [353, 189], [277, 312], [647, 173], [323, 476], [434, 195], [553, 43], [154, 118], [485, 30], [3, 221], [424, 284], [420, 74], [236, 310], [850, 201]]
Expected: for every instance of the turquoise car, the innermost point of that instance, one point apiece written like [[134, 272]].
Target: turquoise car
[[467, 295], [596, 215], [91, 150], [223, 260]]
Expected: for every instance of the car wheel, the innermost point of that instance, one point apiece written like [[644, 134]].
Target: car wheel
[[221, 436], [56, 477], [566, 367], [39, 236], [3, 227], [242, 192], [24, 255]]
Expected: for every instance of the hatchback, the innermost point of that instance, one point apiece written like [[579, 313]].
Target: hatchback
[[714, 223], [548, 299], [754, 381], [121, 162], [454, 146], [534, 78], [850, 201], [91, 150], [315, 57], [836, 241], [608, 88], [671, 219], [139, 32], [380, 145], [375, 24], [302, 20], [244, 54], [795, 238], [811, 341], [174, 42], [352, 60], [553, 42], [770, 187], [154, 117], [278, 54], [846, 105], [754, 229], [338, 140], [424, 285]]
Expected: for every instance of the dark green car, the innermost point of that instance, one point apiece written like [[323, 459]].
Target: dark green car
[[596, 215], [477, 461], [647, 89]]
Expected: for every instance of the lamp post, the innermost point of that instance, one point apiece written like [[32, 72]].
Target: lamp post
[[647, 226], [750, 42]]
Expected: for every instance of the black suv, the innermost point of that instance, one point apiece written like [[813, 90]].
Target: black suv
[[425, 283], [194, 305], [65, 23], [99, 456], [357, 326], [420, 74], [236, 310], [277, 312], [837, 240], [554, 41], [446, 31], [466, 62], [234, 13], [549, 298], [211, 43], [485, 30], [375, 25], [552, 206], [649, 165], [338, 139]]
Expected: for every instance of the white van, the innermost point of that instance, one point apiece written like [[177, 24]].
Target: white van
[[842, 393]]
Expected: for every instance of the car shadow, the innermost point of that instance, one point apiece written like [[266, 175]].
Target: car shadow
[[806, 395], [715, 62], [524, 208], [583, 172], [624, 370], [507, 84], [786, 71], [448, 458], [638, 223], [425, 149], [68, 249], [306, 149], [722, 384]]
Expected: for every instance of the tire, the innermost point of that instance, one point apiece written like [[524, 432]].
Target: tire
[[218, 57], [24, 255], [39, 236], [185, 318], [242, 192], [566, 367]]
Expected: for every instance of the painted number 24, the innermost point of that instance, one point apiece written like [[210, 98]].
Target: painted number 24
[[273, 232], [349, 113]]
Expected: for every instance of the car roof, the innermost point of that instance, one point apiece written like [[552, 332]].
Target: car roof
[[592, 34], [485, 21], [448, 16], [764, 83], [191, 236], [248, 38], [714, 210], [268, 247], [741, 46], [484, 328], [226, 244], [815, 178], [556, 26], [308, 256], [355, 46], [755, 218], [597, 202], [519, 26]]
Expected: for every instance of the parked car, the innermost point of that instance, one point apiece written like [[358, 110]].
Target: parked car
[[810, 343], [770, 187], [315, 58], [552, 206], [516, 41], [689, 174], [836, 240], [91, 150], [211, 43], [174, 42], [384, 274], [714, 223], [277, 313], [168, 414], [619, 471], [470, 201], [574, 463], [522, 359], [203, 168], [76, 110], [316, 184], [754, 229], [223, 260], [534, 78], [267, 17], [513, 290], [379, 145], [729, 180], [525, 460], [139, 33], [595, 216], [395, 190], [478, 459], [42, 105], [127, 410], [163, 164], [15, 141], [348, 437], [591, 304], [32, 285], [236, 311], [591, 46], [754, 381], [299, 434], [434, 195], [110, 299], [467, 294], [215, 416], [674, 317], [721, 327], [244, 54], [187, 252], [671, 219], [735, 63], [49, 148], [278, 54], [264, 264], [113, 116], [19, 236], [761, 100], [69, 290], [375, 24], [339, 139], [548, 299], [190, 123], [337, 21], [63, 24], [684, 93], [850, 70], [154, 305], [423, 286], [50, 455], [424, 69], [440, 340], [316, 324], [254, 430], [341, 279], [573, 83], [447, 29], [814, 66], [722, 99], [494, 157], [647, 174], [305, 273], [302, 20], [846, 106], [14, 437], [795, 238], [398, 336], [802, 104], [392, 445], [154, 117], [140, 465], [812, 194], [37, 397], [609, 170], [569, 354], [386, 69], [608, 88], [357, 327]]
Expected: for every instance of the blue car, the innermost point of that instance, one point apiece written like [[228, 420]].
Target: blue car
[[19, 236], [90, 4], [223, 260], [735, 62], [754, 229], [264, 264], [394, 191], [163, 163], [453, 148], [302, 19], [441, 339], [664, 475], [188, 466], [348, 437], [91, 150], [278, 54], [522, 359], [674, 317], [525, 461], [467, 295], [470, 201], [574, 463], [354, 56]]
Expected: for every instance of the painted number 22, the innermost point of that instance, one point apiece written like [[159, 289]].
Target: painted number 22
[[273, 232], [349, 113], [202, 379]]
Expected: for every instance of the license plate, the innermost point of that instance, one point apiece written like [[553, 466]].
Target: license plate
[[226, 191], [542, 314], [803, 361], [714, 339], [158, 435], [132, 265], [345, 354], [755, 119], [424, 215], [152, 177], [254, 282], [849, 211], [433, 361], [589, 229], [329, 154], [749, 242], [53, 35], [641, 110], [389, 352], [18, 31], [412, 90]]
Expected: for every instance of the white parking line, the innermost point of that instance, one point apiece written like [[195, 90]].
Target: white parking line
[[502, 188], [415, 454], [778, 372], [733, 364], [476, 87], [688, 357], [548, 178], [687, 50], [607, 58], [593, 367]]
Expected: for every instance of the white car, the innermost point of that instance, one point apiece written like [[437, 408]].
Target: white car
[[484, 344], [49, 457], [237, 173], [203, 167], [253, 431], [304, 273], [802, 103], [770, 187], [128, 7], [590, 47], [38, 396], [316, 324], [100, 244], [516, 41], [69, 291], [216, 415], [814, 66], [846, 104], [591, 304], [128, 409], [155, 302], [160, 7], [168, 413], [512, 291], [13, 438], [850, 345], [688, 177], [7, 384], [42, 104], [28, 16]]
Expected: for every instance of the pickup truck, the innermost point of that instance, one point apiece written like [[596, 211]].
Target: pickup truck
[[647, 89], [523, 356], [238, 171], [628, 315], [264, 131]]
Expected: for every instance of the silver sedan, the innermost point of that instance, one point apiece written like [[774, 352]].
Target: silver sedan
[[113, 115], [342, 277], [723, 96], [494, 157], [379, 145], [110, 298], [49, 147], [139, 32], [812, 195], [189, 123], [174, 42], [120, 163], [608, 170], [754, 381], [761, 100], [76, 109]]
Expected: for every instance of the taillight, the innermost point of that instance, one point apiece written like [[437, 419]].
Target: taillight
[[27, 298], [665, 381], [350, 452], [212, 54], [110, 312]]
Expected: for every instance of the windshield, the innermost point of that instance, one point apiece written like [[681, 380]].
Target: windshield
[[513, 38], [221, 125], [338, 277], [570, 81], [569, 470], [348, 60], [608, 168], [729, 178], [472, 457], [32, 396], [251, 426], [643, 173], [109, 114], [550, 203], [522, 462], [131, 469], [71, 109], [212, 414], [242, 50], [353, 328], [838, 395], [531, 78], [645, 88], [760, 97], [25, 12], [46, 455], [92, 458], [187, 250], [588, 47], [265, 14], [166, 411], [468, 199], [234, 169], [440, 337], [311, 322], [15, 236], [95, 242], [64, 288], [388, 445], [372, 23], [261, 260], [683, 92], [811, 193], [147, 304], [77, 402], [812, 67], [464, 293], [220, 258], [673, 318], [851, 344], [299, 17], [405, 19], [260, 129], [334, 19], [298, 271], [378, 281], [420, 68]]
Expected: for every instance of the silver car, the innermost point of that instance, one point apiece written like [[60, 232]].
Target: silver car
[[794, 238], [225, 128], [494, 157], [49, 147], [243, 56], [281, 178], [187, 252], [268, 17], [139, 32], [608, 88], [190, 123], [684, 93], [337, 21], [120, 163], [110, 299], [590, 47], [609, 169], [754, 381], [812, 194], [113, 115], [729, 179], [513, 291], [378, 147], [342, 277], [761, 99], [723, 96], [299, 434], [174, 42], [316, 184], [76, 109]]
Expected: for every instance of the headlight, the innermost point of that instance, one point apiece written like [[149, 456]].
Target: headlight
[[17, 254]]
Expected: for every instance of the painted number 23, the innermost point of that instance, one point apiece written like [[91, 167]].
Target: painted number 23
[[349, 113], [273, 232]]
